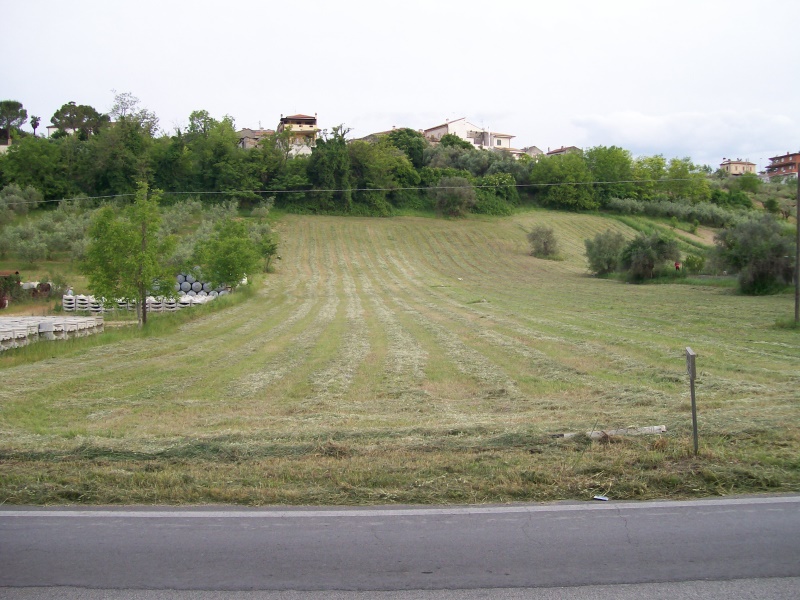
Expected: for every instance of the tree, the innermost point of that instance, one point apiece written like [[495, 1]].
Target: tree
[[749, 182], [329, 171], [454, 196], [564, 181], [230, 254], [35, 123], [411, 142], [126, 257], [81, 119], [12, 115], [44, 164], [543, 241], [649, 172], [612, 167], [119, 158], [126, 107], [646, 254], [604, 251], [761, 250], [451, 139]]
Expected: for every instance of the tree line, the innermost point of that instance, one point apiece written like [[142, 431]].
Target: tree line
[[94, 154]]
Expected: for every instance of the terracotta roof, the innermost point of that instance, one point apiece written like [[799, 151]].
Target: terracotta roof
[[298, 117]]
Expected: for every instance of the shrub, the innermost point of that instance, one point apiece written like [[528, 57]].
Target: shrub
[[694, 263], [761, 250], [543, 242], [18, 199], [646, 254], [603, 252], [454, 196]]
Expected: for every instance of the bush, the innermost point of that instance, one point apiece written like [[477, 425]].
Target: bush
[[761, 250], [454, 196], [645, 255], [603, 252], [694, 263], [543, 242], [19, 200]]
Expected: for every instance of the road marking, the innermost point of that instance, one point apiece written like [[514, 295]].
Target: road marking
[[303, 513]]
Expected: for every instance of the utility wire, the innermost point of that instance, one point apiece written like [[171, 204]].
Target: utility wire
[[333, 190]]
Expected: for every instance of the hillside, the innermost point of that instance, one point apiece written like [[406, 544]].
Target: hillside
[[417, 360]]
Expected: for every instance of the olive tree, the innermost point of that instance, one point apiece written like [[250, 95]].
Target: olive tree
[[762, 252], [543, 241], [604, 252]]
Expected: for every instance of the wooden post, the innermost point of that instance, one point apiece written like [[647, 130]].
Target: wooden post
[[692, 371]]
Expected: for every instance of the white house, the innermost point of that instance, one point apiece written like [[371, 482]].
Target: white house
[[480, 137]]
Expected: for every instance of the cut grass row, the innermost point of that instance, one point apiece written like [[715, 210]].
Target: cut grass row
[[415, 360]]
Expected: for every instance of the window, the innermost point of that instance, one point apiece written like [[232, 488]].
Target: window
[[499, 142]]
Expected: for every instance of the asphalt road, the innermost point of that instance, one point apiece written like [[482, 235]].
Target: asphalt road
[[583, 547]]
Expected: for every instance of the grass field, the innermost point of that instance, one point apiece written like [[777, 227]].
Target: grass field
[[415, 360]]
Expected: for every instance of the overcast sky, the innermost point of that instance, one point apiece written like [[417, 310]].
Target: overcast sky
[[705, 79]]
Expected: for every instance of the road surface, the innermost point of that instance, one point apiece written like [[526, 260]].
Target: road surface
[[584, 547]]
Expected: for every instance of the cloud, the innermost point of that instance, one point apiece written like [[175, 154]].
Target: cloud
[[705, 137]]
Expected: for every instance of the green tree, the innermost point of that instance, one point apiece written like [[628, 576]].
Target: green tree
[[35, 123], [126, 257], [126, 107], [411, 142], [761, 250], [612, 169], [646, 254], [329, 171], [81, 119], [543, 241], [452, 140], [230, 253], [265, 243], [749, 182], [48, 165], [649, 173], [686, 182], [12, 115], [563, 181], [119, 157], [604, 252]]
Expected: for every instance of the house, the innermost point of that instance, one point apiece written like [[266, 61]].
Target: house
[[737, 167], [533, 152], [303, 132], [785, 165], [249, 138], [480, 137], [563, 150]]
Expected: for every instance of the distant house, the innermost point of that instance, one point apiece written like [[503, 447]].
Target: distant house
[[303, 132], [249, 138], [563, 150], [785, 165], [533, 151], [737, 167], [480, 137]]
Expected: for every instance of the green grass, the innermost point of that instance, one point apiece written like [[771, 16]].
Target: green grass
[[412, 360]]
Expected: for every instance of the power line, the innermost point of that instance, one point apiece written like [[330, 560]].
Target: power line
[[334, 190]]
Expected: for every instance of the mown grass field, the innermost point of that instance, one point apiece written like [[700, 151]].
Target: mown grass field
[[416, 360]]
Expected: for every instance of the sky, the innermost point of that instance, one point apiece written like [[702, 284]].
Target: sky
[[704, 79]]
